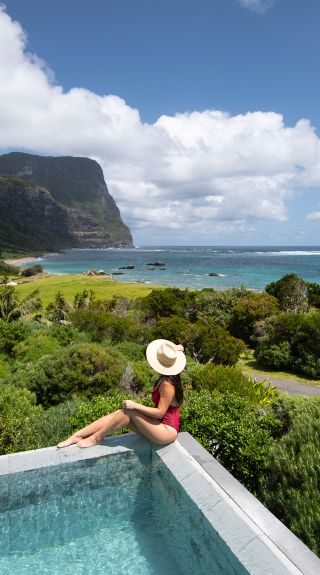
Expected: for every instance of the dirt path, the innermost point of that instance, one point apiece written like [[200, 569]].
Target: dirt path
[[290, 385]]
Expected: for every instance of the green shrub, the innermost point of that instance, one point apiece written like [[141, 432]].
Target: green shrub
[[292, 338], [11, 334], [18, 415], [80, 371], [101, 325], [206, 341], [275, 356], [313, 293], [66, 334], [34, 347], [144, 377], [131, 350], [32, 270], [232, 380], [237, 433], [6, 269], [171, 328], [164, 302], [217, 304], [291, 292], [54, 424], [290, 485], [250, 309], [4, 365]]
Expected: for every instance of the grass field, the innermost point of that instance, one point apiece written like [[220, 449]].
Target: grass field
[[69, 285]]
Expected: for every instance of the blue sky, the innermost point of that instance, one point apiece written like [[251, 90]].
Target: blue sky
[[203, 114]]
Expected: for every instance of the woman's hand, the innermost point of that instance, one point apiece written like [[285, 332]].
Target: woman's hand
[[179, 347], [128, 404]]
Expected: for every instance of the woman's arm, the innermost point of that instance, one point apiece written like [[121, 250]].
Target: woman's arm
[[167, 393]]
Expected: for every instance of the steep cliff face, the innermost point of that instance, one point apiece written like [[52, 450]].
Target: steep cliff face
[[78, 186], [30, 219]]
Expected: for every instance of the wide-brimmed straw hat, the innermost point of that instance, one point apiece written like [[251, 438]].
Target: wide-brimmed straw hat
[[164, 357]]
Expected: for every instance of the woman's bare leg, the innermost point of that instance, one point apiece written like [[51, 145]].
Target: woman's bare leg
[[151, 428], [99, 428]]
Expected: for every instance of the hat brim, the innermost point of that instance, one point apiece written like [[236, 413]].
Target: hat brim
[[151, 354]]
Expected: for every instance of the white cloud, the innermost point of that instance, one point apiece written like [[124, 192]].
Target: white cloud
[[200, 174], [259, 6], [313, 215]]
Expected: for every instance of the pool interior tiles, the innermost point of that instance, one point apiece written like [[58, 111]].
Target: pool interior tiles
[[126, 507]]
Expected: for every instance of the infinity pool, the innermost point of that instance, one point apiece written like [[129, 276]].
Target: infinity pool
[[128, 508], [94, 516]]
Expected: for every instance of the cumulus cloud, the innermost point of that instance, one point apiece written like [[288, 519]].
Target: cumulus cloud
[[313, 215], [259, 6], [202, 174]]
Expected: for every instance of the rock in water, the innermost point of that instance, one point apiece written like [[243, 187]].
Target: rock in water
[[76, 187]]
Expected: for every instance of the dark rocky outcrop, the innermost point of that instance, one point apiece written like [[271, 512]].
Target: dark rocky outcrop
[[74, 192], [30, 219]]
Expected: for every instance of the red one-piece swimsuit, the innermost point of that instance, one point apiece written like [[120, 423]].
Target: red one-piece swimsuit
[[172, 415]]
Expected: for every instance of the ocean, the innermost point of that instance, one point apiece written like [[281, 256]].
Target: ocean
[[189, 267]]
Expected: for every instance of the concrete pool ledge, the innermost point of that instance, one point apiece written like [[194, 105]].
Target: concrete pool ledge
[[206, 502], [260, 541], [49, 456]]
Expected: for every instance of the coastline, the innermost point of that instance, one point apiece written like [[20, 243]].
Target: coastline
[[27, 259]]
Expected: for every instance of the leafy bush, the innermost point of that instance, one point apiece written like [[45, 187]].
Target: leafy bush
[[276, 356], [313, 293], [35, 346], [290, 485], [11, 334], [131, 350], [251, 308], [237, 433], [7, 269], [32, 270], [232, 380], [206, 341], [66, 334], [170, 328], [292, 338], [164, 302], [143, 376], [291, 293], [101, 325], [217, 304], [82, 371], [18, 414], [52, 425]]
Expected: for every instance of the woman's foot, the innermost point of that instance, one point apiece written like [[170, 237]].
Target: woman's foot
[[89, 441]]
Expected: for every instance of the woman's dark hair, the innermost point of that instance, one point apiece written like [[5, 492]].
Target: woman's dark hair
[[177, 384]]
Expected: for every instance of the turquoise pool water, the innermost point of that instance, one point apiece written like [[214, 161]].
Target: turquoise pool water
[[90, 517], [123, 514]]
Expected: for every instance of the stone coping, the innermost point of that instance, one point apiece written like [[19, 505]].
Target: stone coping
[[48, 456], [258, 539], [243, 510]]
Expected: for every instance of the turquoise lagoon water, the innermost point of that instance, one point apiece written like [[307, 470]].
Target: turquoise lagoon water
[[253, 266], [111, 515]]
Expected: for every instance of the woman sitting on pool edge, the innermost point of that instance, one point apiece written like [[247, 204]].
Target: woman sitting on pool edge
[[159, 424]]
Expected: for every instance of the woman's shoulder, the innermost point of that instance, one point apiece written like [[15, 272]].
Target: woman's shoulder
[[165, 382]]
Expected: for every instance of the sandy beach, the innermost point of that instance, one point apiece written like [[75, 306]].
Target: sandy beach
[[27, 259], [17, 261]]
